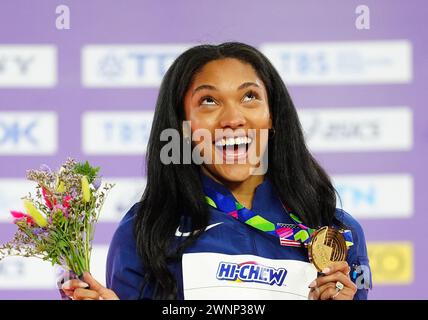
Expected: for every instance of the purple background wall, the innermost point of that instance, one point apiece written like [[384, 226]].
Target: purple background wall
[[253, 22]]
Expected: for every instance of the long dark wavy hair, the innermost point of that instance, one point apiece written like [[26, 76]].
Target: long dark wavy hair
[[175, 190]]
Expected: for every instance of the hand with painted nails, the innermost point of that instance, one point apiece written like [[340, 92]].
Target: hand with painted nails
[[334, 284], [88, 289]]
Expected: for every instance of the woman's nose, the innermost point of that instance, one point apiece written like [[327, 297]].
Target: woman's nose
[[232, 117]]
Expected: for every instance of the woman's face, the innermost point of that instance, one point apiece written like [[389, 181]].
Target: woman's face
[[227, 99]]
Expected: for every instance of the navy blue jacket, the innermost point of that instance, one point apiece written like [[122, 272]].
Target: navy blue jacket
[[125, 271]]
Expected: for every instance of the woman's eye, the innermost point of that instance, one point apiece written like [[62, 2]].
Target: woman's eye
[[250, 96], [207, 101]]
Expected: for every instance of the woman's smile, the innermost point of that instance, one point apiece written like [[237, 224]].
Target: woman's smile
[[234, 149]]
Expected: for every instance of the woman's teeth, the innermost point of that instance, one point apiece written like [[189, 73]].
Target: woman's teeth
[[233, 141]]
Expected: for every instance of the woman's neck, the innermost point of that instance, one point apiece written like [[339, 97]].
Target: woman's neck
[[243, 191]]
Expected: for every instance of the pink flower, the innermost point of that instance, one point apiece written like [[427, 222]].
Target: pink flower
[[66, 201], [46, 195], [17, 215]]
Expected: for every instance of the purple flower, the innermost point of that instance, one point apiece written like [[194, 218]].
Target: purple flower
[[97, 183], [37, 231], [73, 192], [45, 168]]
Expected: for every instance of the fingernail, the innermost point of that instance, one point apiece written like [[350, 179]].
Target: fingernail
[[66, 285], [313, 284], [326, 270]]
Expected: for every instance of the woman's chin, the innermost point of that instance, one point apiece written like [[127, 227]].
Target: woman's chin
[[234, 172]]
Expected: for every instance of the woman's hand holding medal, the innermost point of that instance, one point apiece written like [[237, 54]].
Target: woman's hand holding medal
[[335, 284], [328, 251]]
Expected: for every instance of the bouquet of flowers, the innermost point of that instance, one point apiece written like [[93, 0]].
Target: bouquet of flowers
[[58, 224]]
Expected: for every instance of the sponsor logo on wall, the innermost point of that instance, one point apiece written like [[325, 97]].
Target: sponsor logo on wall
[[28, 133], [125, 133], [380, 196], [125, 193], [28, 66], [127, 65], [358, 129], [347, 62], [391, 262]]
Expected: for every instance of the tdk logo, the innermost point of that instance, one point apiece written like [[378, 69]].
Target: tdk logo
[[251, 272], [28, 132], [15, 132]]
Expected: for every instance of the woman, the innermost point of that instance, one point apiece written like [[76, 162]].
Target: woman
[[211, 229]]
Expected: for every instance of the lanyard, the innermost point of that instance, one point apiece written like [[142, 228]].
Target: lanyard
[[294, 235]]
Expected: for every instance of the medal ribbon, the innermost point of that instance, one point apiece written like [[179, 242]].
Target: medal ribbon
[[294, 235]]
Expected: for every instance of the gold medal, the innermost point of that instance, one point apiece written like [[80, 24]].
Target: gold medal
[[326, 246]]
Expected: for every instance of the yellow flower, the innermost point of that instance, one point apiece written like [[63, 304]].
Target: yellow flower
[[85, 189], [35, 214], [61, 187]]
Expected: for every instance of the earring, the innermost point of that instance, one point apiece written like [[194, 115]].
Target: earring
[[271, 132]]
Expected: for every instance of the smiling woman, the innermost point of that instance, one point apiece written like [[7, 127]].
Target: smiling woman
[[217, 226], [227, 94]]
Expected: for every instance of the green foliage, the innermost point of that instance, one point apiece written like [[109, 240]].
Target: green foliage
[[86, 170]]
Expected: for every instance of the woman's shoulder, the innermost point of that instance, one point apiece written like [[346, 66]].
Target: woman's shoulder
[[123, 239], [126, 224], [348, 220], [125, 272], [358, 237]]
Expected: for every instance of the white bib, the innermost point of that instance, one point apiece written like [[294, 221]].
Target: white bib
[[209, 275]]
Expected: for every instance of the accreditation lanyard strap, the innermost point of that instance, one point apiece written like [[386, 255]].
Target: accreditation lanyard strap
[[295, 235]]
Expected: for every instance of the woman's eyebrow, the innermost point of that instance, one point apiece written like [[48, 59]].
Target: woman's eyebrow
[[202, 87], [210, 87], [248, 84]]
